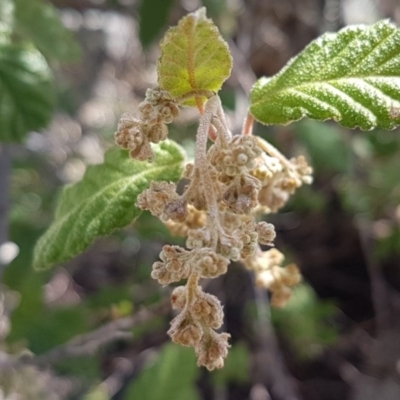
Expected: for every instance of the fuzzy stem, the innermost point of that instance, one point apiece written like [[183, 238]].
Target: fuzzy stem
[[221, 116], [274, 152], [201, 162], [224, 134], [191, 285]]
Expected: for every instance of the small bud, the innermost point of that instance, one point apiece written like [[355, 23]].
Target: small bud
[[185, 331], [157, 133], [177, 210], [212, 350], [178, 298], [266, 233], [242, 159]]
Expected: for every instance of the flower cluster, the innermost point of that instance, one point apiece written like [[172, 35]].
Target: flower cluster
[[279, 177], [136, 134], [272, 276], [229, 183]]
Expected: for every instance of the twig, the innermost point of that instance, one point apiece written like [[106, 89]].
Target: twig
[[379, 289], [90, 342], [271, 369]]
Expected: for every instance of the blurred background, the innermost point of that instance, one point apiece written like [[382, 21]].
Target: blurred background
[[339, 336]]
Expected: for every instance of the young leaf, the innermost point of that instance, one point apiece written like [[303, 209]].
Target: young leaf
[[103, 201], [352, 77], [193, 57], [26, 92]]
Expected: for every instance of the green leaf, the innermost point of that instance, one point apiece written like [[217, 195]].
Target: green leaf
[[103, 201], [352, 77], [26, 92], [171, 377], [193, 57], [38, 21], [152, 23]]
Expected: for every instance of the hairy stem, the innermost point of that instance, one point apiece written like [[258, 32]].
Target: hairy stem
[[192, 284], [273, 152], [201, 162]]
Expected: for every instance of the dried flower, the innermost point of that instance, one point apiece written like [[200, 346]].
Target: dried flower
[[229, 183]]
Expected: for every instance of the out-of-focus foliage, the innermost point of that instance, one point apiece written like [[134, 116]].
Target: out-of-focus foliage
[[151, 23], [236, 369], [172, 376], [26, 92], [27, 96], [306, 322], [24, 21], [326, 145]]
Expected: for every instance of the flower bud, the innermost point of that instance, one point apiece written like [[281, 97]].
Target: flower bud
[[178, 298]]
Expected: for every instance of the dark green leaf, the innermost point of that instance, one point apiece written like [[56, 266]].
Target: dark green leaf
[[103, 201], [153, 18], [26, 92]]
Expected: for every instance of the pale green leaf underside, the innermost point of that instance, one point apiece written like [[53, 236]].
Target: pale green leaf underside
[[103, 201], [352, 76], [193, 57]]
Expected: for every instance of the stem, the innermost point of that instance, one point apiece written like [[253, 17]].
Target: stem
[[271, 370], [191, 285], [380, 291], [274, 152], [247, 128], [5, 169], [201, 162], [221, 116], [221, 129]]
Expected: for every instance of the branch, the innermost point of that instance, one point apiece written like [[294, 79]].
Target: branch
[[90, 343], [270, 366], [379, 288]]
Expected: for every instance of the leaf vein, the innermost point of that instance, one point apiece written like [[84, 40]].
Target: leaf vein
[[374, 48], [347, 97]]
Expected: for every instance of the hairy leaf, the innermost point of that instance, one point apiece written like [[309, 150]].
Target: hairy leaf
[[152, 23], [352, 77], [103, 201], [26, 92], [193, 57]]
